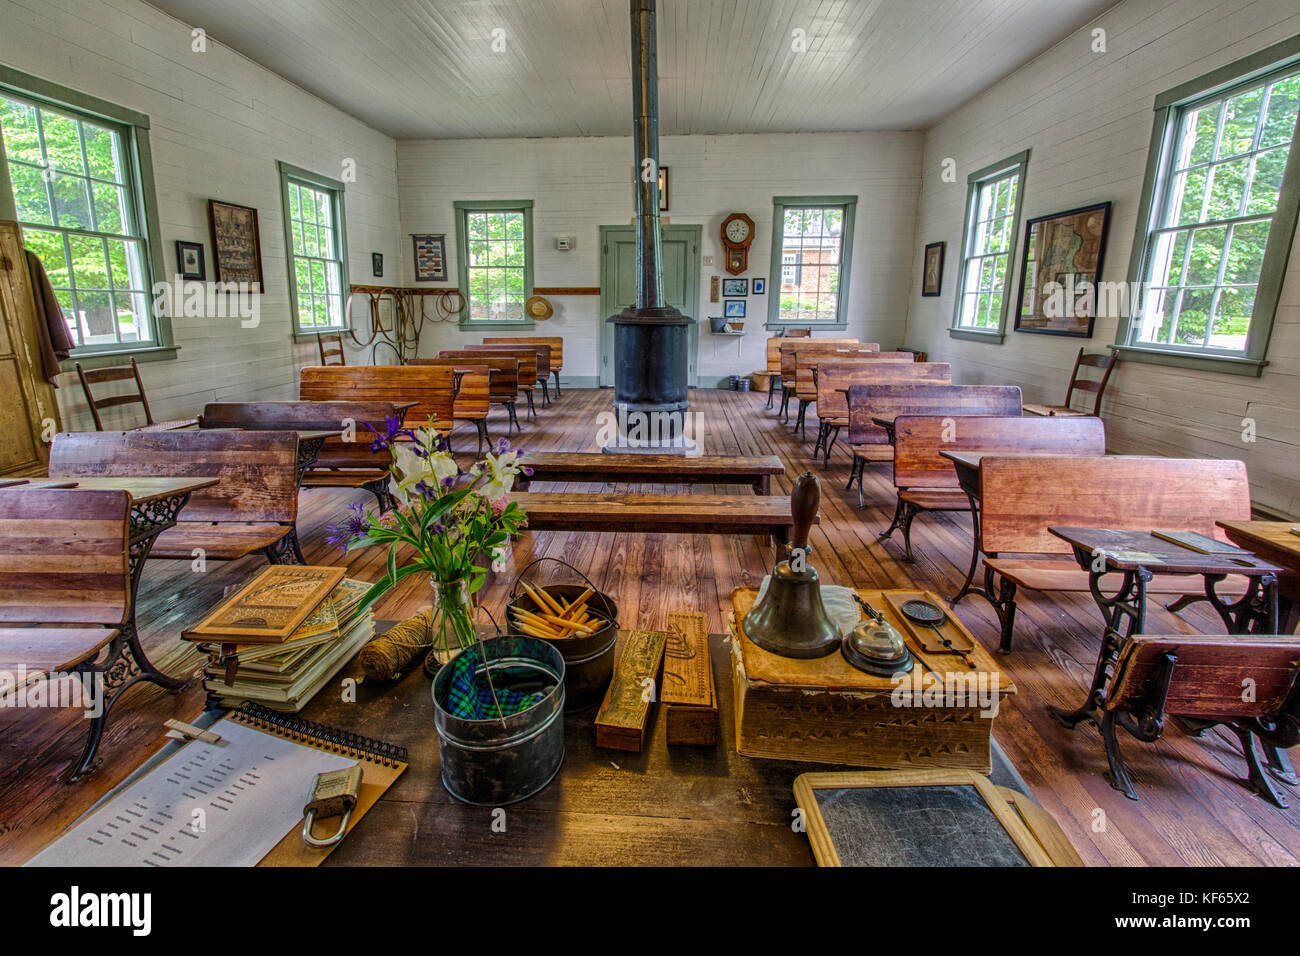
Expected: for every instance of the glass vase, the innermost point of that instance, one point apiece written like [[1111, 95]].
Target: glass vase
[[451, 622]]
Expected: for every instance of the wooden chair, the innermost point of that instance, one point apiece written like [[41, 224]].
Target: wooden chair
[[556, 343], [254, 506], [65, 596], [503, 377], [122, 373], [335, 348], [1080, 382], [341, 463], [926, 481], [1198, 680], [1020, 498]]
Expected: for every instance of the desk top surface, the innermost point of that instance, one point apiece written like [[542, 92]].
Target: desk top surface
[[140, 488], [1128, 550]]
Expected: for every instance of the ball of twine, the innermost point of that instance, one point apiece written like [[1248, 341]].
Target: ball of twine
[[387, 655]]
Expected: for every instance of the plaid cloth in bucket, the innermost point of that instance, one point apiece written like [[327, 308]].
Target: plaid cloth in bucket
[[472, 696]]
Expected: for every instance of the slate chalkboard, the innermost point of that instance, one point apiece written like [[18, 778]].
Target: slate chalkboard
[[916, 826]]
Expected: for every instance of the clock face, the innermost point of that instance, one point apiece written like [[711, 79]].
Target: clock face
[[737, 231]]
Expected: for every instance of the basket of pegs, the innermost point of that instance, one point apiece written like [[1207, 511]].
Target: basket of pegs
[[578, 621]]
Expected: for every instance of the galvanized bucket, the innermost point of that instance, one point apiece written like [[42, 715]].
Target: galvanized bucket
[[588, 661], [504, 760]]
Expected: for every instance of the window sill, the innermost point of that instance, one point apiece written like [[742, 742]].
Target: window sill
[[311, 336], [990, 337], [1190, 360], [469, 325], [814, 326], [89, 360]]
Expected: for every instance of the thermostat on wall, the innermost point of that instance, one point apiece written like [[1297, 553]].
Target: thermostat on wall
[[564, 243]]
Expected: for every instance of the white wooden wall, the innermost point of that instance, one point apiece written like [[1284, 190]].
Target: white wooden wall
[[579, 185], [1087, 117], [219, 123]]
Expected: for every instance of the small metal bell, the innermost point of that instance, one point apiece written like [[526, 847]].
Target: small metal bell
[[875, 646]]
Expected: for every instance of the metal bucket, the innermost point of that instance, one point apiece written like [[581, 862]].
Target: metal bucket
[[588, 661], [501, 761]]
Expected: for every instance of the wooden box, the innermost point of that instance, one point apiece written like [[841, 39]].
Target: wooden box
[[687, 690], [827, 711]]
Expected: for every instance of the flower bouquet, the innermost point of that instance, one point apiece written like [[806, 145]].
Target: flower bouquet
[[437, 528]]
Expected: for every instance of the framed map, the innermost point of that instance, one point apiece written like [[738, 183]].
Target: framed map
[[1059, 270], [236, 244]]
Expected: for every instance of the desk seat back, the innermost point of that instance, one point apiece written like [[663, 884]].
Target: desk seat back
[[808, 366], [556, 343], [503, 380], [473, 396], [353, 417], [64, 557], [258, 470], [528, 356], [1020, 498], [898, 390], [787, 346], [1209, 674], [429, 387], [835, 374], [920, 440]]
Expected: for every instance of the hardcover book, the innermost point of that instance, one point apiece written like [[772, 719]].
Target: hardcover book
[[269, 608]]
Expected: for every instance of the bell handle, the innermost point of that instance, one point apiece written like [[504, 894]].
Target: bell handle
[[804, 502]]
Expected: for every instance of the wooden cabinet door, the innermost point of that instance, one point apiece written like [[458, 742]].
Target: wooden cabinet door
[[29, 400]]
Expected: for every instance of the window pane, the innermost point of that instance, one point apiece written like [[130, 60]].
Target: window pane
[[103, 154], [22, 139], [110, 208], [48, 247], [1246, 252], [71, 202], [29, 194], [63, 143], [1267, 184], [1240, 122], [1279, 123], [1227, 186], [1200, 127], [89, 266], [1207, 252], [98, 320]]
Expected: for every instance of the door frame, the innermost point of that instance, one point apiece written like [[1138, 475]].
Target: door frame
[[694, 234]]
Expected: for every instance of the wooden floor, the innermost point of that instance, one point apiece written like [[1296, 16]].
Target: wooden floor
[[1192, 810]]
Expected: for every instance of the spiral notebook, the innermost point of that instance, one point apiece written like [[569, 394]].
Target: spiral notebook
[[237, 802]]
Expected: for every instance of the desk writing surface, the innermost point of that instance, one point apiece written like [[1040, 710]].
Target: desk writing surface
[[140, 488]]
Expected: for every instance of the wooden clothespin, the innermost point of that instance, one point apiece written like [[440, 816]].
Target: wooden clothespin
[[179, 730]]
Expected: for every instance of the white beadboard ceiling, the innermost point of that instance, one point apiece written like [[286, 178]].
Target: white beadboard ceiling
[[427, 68]]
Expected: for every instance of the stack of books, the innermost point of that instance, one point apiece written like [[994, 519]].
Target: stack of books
[[281, 637]]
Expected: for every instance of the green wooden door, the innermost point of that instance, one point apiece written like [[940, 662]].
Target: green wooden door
[[681, 270]]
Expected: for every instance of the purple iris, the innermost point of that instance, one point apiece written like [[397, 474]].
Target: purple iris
[[392, 431], [527, 471], [503, 445], [354, 525]]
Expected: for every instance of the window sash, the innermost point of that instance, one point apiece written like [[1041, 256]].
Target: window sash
[[317, 250], [486, 285], [804, 256], [1000, 195]]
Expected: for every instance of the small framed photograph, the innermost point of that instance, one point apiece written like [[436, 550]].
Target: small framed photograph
[[760, 286], [430, 258], [713, 288], [377, 264], [932, 278], [735, 287], [734, 308], [189, 261]]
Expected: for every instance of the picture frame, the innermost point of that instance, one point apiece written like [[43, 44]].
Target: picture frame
[[430, 257], [734, 308], [932, 269], [377, 264], [190, 263], [732, 287], [663, 188], [713, 288], [1060, 264], [759, 286], [236, 244]]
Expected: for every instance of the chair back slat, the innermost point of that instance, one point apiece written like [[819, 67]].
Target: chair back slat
[[331, 346], [429, 387], [1082, 383], [258, 470], [1020, 498], [119, 373], [920, 440], [64, 557]]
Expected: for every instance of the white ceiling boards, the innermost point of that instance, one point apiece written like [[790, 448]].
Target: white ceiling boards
[[490, 68]]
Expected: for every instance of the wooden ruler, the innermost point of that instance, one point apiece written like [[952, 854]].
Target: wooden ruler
[[688, 668], [625, 712]]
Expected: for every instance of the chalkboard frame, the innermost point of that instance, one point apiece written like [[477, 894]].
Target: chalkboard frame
[[823, 845]]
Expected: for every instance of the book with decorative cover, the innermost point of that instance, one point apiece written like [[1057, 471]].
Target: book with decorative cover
[[270, 608], [1200, 543]]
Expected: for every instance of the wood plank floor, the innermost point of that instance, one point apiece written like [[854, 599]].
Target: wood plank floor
[[1192, 810]]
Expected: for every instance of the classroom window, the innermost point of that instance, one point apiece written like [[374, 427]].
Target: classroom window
[[811, 253], [78, 195], [495, 252], [993, 206], [1218, 222], [318, 271]]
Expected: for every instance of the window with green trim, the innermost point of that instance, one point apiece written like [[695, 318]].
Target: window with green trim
[[318, 269], [988, 249], [812, 248], [495, 255], [79, 199], [1215, 202]]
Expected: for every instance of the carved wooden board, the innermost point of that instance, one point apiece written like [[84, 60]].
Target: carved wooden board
[[625, 712]]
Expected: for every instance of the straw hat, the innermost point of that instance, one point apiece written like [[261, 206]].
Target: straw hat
[[538, 307]]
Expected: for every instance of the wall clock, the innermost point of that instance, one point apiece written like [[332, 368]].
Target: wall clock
[[737, 234]]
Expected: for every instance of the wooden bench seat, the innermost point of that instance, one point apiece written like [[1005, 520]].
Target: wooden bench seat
[[253, 507], [756, 471], [38, 651], [658, 514]]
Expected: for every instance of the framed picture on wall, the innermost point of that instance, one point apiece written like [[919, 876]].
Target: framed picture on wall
[[377, 264], [760, 286], [189, 260], [236, 244], [430, 257], [1059, 268], [932, 274], [732, 287], [734, 308]]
